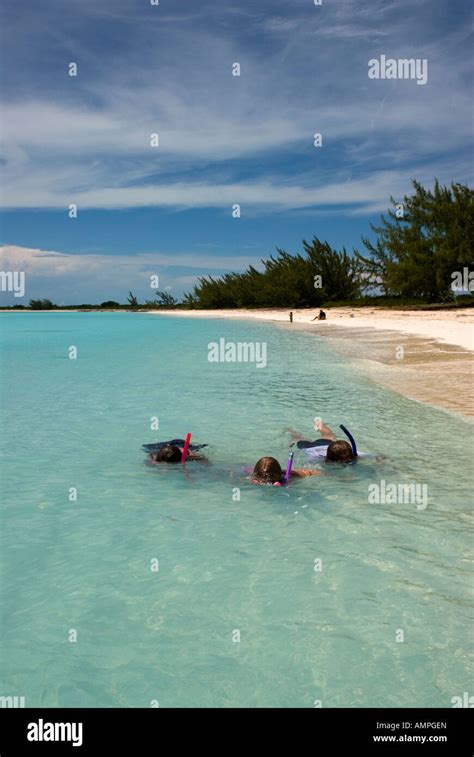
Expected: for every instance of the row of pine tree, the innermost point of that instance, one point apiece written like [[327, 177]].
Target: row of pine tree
[[420, 248]]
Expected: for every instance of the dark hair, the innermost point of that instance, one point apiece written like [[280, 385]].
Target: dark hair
[[340, 451], [267, 471], [167, 454]]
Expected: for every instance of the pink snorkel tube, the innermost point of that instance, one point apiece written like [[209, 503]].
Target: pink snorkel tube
[[289, 467], [286, 477], [185, 448]]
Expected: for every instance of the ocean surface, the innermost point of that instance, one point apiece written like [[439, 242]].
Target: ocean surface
[[188, 586]]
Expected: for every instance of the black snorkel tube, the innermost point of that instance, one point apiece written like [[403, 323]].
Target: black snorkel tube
[[351, 439]]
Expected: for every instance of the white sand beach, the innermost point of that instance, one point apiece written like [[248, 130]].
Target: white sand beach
[[451, 326]]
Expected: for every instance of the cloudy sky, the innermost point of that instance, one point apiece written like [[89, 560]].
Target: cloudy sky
[[223, 140]]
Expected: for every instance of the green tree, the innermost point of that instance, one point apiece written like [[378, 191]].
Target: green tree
[[286, 281], [110, 304], [422, 243], [340, 273], [132, 300], [41, 305], [166, 300]]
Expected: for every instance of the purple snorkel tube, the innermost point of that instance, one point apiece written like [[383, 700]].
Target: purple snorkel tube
[[288, 468]]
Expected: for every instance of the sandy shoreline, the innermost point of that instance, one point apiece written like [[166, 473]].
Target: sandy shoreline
[[423, 355], [454, 326], [450, 326]]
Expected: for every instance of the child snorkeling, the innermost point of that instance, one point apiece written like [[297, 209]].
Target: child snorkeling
[[327, 447], [268, 470], [172, 454], [172, 451]]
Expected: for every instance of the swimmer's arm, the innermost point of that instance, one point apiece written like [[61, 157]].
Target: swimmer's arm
[[196, 456], [303, 472], [191, 455], [326, 432]]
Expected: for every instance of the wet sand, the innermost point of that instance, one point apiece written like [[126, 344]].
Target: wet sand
[[421, 368]]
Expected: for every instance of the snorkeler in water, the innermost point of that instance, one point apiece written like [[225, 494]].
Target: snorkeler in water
[[328, 447], [268, 470], [174, 451], [170, 453]]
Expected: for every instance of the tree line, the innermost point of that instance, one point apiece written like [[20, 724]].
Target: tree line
[[164, 300], [420, 248], [422, 251]]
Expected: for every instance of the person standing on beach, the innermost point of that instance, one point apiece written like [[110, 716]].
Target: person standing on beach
[[291, 317]]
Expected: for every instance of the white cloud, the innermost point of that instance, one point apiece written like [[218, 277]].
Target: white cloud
[[50, 263], [372, 192], [89, 141], [67, 277]]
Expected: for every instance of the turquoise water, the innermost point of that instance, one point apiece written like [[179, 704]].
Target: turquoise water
[[224, 565]]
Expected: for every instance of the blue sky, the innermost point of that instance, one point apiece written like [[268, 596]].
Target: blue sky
[[167, 69]]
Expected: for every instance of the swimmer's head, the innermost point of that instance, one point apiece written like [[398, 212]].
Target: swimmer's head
[[340, 451], [167, 454], [267, 471]]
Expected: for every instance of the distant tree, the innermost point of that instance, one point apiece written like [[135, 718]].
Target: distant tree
[[166, 300], [320, 275], [190, 300], [132, 300], [110, 304], [41, 305], [424, 240]]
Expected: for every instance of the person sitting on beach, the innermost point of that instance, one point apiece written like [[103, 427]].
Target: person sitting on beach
[[268, 470], [170, 453], [320, 317], [332, 449]]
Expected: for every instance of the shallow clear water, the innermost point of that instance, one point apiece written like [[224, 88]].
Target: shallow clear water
[[224, 565]]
